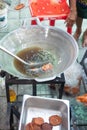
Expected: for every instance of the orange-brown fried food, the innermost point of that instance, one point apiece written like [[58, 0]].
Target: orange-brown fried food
[[82, 98], [55, 120], [19, 6], [32, 126], [46, 126], [38, 120]]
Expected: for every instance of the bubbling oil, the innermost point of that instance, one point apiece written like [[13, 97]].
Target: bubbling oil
[[32, 55]]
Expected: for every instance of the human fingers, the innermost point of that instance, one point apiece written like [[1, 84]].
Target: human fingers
[[69, 23]]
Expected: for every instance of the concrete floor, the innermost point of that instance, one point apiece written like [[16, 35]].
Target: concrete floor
[[14, 21]]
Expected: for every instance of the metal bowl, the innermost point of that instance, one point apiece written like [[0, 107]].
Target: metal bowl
[[59, 43]]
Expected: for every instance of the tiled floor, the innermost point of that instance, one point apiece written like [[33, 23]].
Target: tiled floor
[[15, 19]]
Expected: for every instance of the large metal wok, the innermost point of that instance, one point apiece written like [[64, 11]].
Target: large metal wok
[[61, 46]]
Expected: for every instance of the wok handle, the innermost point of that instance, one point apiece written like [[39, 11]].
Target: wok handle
[[24, 22]]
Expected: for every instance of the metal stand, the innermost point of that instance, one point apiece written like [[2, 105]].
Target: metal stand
[[10, 80]]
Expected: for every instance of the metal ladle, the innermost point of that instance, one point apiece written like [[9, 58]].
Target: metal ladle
[[30, 64]]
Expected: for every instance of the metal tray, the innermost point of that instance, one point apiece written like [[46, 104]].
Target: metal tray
[[34, 106]]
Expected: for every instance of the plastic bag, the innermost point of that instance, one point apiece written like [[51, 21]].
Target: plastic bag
[[73, 79]]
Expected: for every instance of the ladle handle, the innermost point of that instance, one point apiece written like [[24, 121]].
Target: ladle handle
[[11, 54], [24, 62]]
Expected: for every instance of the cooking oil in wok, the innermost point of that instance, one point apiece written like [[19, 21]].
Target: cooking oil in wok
[[33, 55]]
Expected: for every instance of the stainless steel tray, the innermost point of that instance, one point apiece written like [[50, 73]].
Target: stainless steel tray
[[34, 106]]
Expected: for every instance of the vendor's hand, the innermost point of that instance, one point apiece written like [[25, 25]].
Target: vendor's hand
[[71, 19]]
